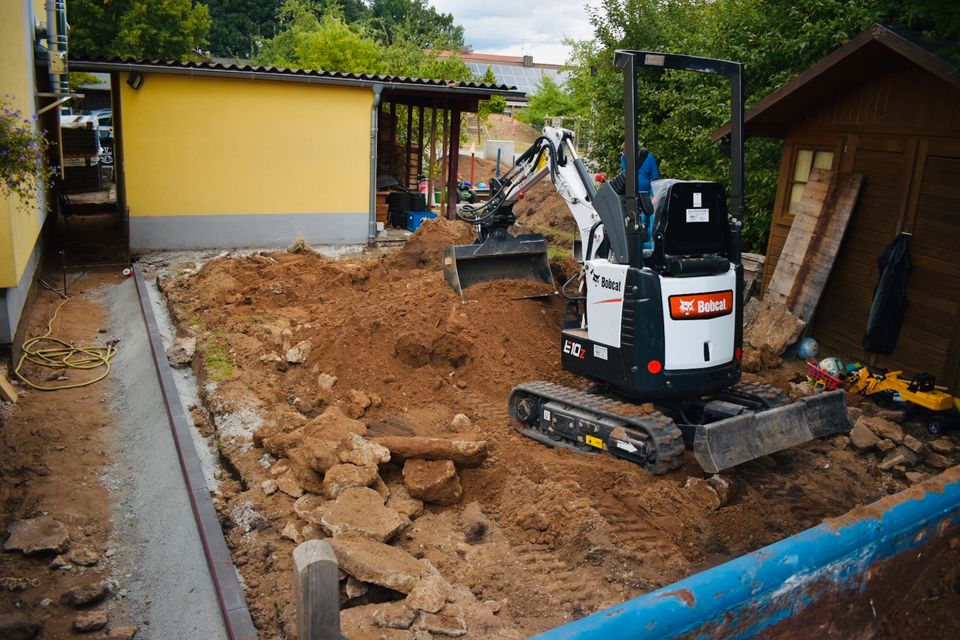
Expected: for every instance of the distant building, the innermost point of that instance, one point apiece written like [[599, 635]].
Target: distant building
[[516, 71]]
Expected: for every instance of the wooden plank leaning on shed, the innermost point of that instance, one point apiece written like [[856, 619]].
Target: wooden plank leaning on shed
[[811, 246]]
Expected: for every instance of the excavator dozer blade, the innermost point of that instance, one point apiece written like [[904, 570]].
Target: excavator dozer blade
[[732, 441], [522, 257]]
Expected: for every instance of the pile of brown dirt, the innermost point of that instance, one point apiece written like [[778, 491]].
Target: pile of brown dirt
[[541, 535]]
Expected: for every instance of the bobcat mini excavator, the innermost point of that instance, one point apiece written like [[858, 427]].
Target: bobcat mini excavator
[[659, 331]]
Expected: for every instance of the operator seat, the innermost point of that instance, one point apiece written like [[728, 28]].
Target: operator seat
[[691, 235]]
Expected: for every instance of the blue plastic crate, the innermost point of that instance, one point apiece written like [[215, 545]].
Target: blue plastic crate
[[416, 218]]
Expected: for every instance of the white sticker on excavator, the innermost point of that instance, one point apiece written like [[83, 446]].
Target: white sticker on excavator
[[546, 414], [698, 215], [626, 446], [697, 199], [599, 352]]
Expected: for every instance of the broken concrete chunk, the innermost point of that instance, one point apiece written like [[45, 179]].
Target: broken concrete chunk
[[465, 452], [703, 492], [37, 535], [774, 328], [915, 445], [326, 382], [298, 353], [362, 452], [343, 476], [288, 484], [90, 621], [84, 556], [938, 461], [318, 454], [882, 428], [448, 622], [429, 595], [354, 588], [85, 594], [269, 487], [291, 533], [942, 445], [394, 615], [401, 500], [371, 561], [180, 353], [432, 481], [305, 507], [460, 422], [360, 510], [885, 445], [862, 438], [332, 424], [359, 398]]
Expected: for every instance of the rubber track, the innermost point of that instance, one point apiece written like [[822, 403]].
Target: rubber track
[[664, 432], [765, 393]]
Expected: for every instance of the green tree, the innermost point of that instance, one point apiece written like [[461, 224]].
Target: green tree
[[239, 26], [153, 29], [415, 20], [549, 99]]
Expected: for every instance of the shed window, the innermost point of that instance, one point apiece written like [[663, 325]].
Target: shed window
[[807, 159]]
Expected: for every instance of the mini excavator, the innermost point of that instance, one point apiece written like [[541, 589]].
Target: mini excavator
[[658, 330]]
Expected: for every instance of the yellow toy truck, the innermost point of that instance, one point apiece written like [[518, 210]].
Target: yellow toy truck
[[920, 396]]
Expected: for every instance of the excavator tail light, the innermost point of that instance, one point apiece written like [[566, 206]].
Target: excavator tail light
[[654, 367]]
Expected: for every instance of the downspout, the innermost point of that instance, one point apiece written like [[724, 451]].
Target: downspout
[[374, 116], [52, 45]]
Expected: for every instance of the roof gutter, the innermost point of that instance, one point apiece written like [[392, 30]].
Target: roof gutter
[[374, 116], [89, 65]]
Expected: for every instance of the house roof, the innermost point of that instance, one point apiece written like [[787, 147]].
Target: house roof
[[224, 69], [871, 50]]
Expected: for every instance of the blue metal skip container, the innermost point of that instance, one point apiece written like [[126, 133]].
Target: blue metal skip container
[[831, 581], [416, 218]]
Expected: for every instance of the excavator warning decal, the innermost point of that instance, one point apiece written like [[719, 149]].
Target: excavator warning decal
[[698, 306]]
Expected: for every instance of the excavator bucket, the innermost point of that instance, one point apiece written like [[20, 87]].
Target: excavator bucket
[[732, 441], [500, 257]]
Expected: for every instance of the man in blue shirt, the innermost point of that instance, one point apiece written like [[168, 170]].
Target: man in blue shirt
[[647, 172]]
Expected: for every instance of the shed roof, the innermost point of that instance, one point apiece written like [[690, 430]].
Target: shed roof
[[221, 69], [869, 51]]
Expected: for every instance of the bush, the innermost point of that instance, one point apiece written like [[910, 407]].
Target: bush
[[22, 151]]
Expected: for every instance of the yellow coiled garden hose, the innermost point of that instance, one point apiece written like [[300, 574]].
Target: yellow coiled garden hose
[[65, 356]]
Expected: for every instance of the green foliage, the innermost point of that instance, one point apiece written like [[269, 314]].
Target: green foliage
[[239, 26], [152, 29], [677, 111], [417, 21], [311, 40], [22, 151], [549, 99], [79, 78]]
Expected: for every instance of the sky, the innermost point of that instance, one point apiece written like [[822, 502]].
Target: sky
[[520, 27]]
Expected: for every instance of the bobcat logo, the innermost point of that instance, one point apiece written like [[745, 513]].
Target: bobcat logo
[[686, 307]]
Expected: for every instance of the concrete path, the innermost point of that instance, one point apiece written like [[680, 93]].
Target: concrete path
[[157, 549]]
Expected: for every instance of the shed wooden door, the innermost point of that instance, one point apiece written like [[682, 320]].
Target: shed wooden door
[[931, 328]]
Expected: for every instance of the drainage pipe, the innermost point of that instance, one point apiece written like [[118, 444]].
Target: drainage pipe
[[374, 117]]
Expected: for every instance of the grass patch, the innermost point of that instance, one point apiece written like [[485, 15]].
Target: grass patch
[[559, 253], [217, 362]]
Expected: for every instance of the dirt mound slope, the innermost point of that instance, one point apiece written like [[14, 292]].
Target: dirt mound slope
[[540, 536]]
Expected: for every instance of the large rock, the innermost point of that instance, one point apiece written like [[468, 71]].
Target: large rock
[[429, 595], [18, 627], [362, 452], [401, 500], [394, 615], [882, 428], [299, 353], [915, 445], [85, 594], [862, 438], [465, 452], [432, 481], [180, 353], [332, 424], [943, 446], [371, 561], [359, 510], [37, 535], [774, 328], [90, 621], [938, 461], [319, 454], [450, 621], [341, 477]]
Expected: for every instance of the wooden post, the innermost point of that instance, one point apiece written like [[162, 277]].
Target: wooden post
[[316, 591], [406, 159], [433, 151], [420, 167], [454, 160], [444, 194]]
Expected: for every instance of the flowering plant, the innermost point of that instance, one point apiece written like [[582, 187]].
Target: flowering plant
[[22, 151]]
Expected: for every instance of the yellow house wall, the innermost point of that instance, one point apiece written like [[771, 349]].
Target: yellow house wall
[[20, 220], [222, 146]]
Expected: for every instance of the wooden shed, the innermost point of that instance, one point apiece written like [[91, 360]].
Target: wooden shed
[[885, 107]]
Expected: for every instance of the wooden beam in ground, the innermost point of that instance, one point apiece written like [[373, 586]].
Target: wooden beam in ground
[[811, 247], [454, 160], [444, 194]]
